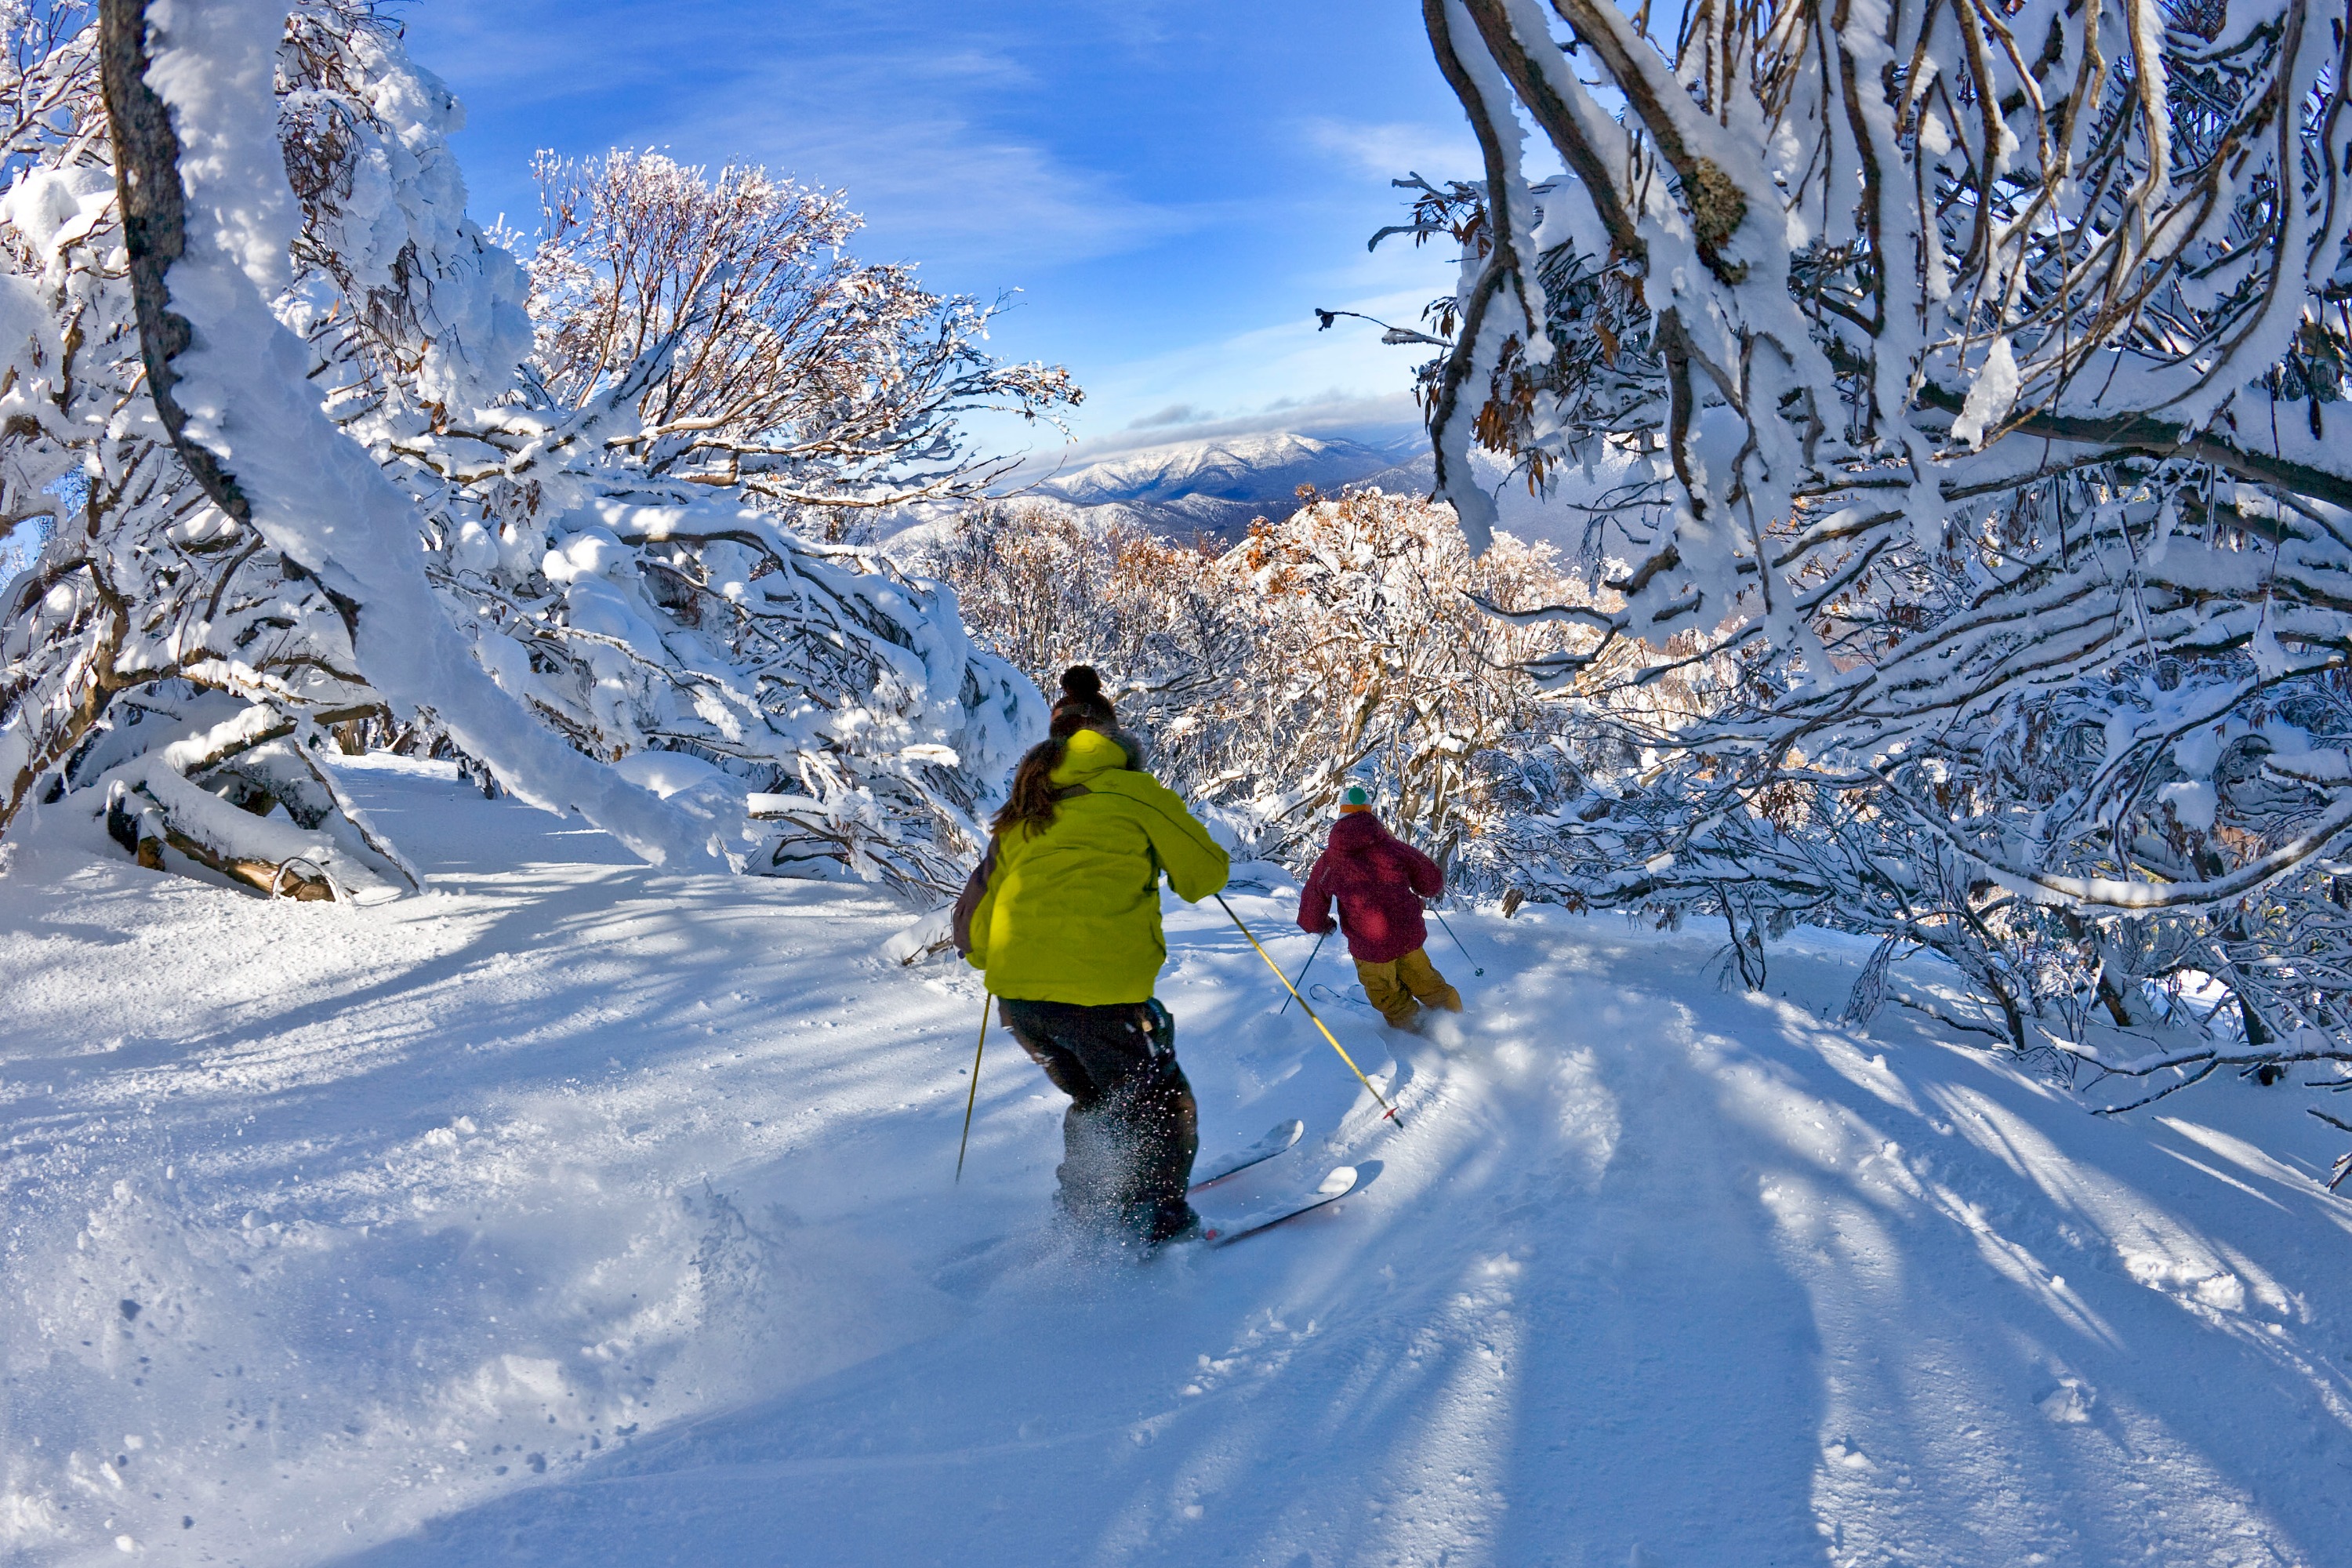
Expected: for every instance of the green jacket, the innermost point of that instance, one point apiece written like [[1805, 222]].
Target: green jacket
[[1072, 913]]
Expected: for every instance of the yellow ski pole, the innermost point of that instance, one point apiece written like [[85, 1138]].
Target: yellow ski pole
[[1309, 1009], [973, 1097]]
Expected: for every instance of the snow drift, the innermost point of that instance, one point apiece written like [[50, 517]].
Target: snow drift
[[579, 1211]]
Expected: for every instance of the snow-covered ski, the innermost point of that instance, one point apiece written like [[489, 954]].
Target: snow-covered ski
[[1279, 1138], [1337, 1185]]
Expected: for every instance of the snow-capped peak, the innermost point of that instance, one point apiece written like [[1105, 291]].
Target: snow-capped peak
[[1269, 467]]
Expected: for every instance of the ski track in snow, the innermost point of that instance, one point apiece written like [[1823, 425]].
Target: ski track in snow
[[575, 1212]]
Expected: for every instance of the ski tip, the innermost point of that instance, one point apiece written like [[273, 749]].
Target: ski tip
[[1280, 1138], [1342, 1178]]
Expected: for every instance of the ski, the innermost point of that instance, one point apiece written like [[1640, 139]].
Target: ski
[[1277, 1139], [1336, 1186]]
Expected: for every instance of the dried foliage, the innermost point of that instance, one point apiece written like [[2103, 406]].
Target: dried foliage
[[1342, 645]]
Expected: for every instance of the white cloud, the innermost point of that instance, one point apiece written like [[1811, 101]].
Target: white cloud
[[1288, 376], [1174, 414], [1334, 411], [1288, 360], [1390, 150], [898, 121], [941, 184]]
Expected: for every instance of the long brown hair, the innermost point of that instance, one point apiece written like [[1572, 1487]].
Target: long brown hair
[[1032, 799], [1031, 802]]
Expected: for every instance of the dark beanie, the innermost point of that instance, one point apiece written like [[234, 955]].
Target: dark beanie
[[1082, 702]]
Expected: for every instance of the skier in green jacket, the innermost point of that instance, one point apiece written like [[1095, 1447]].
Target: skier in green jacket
[[1063, 917]]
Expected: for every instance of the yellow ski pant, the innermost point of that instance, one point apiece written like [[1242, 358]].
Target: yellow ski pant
[[1400, 987]]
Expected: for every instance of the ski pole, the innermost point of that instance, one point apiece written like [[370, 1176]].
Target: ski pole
[[1458, 942], [973, 1097], [1303, 968], [1306, 1008]]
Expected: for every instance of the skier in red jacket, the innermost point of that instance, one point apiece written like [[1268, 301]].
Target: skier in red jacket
[[1380, 881]]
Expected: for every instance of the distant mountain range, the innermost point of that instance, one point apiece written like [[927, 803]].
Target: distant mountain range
[[1220, 486]]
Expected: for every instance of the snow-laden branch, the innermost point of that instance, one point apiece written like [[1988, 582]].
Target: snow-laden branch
[[250, 423], [1976, 568]]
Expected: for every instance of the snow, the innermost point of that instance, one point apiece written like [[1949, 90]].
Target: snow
[[578, 1210], [1991, 394]]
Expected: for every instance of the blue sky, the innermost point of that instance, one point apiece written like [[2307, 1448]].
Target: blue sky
[[1173, 187]]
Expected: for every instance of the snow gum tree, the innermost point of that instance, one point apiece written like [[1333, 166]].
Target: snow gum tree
[[1989, 357], [307, 479], [801, 376]]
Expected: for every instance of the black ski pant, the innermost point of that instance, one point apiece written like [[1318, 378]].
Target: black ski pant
[[1133, 1128]]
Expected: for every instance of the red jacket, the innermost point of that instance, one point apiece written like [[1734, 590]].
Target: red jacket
[[1380, 881]]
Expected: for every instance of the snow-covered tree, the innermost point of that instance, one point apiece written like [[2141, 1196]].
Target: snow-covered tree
[[313, 489], [1990, 359], [105, 664], [801, 376]]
